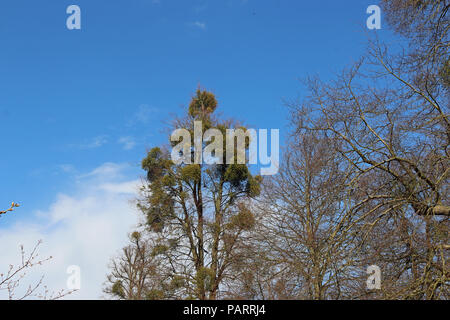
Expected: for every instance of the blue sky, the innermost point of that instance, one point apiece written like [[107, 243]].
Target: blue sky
[[77, 106]]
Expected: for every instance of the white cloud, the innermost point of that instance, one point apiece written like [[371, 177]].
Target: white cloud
[[128, 187], [199, 24], [108, 170], [142, 115], [94, 143], [85, 228], [127, 142], [67, 168]]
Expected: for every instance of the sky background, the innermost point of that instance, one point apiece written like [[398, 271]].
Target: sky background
[[79, 108]]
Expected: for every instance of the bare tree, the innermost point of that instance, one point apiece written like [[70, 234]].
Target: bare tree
[[393, 129], [10, 280], [308, 230], [138, 274]]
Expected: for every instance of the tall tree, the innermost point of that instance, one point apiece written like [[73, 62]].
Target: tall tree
[[198, 211]]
